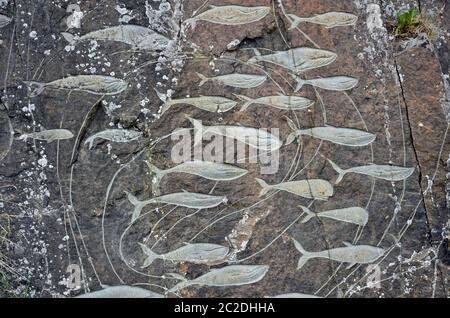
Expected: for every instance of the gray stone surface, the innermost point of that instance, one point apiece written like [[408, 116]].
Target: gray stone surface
[[63, 206]]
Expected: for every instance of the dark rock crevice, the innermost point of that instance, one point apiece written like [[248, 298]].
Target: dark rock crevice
[[416, 156]]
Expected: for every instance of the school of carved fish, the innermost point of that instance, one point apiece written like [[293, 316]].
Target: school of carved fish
[[293, 60]]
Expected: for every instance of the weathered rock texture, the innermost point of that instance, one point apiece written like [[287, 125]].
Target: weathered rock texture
[[63, 209]]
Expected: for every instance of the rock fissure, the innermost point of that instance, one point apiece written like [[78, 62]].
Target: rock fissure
[[416, 157]]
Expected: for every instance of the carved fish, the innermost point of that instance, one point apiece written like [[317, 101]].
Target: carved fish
[[335, 83], [298, 59], [294, 295], [184, 199], [4, 20], [48, 135], [235, 80], [341, 136], [234, 275], [355, 215], [122, 292], [329, 19], [213, 104], [205, 169], [316, 189], [255, 138], [352, 254], [114, 135], [230, 15], [199, 253], [139, 37], [386, 172], [94, 84], [277, 101]]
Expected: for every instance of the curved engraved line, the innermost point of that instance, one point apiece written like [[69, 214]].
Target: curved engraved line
[[403, 189], [104, 210], [155, 142], [11, 139], [408, 223], [404, 164], [298, 29], [67, 217], [124, 233]]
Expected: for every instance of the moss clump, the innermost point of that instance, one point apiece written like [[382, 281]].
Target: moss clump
[[411, 23]]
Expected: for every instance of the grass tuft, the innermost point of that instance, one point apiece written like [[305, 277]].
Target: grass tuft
[[411, 24]]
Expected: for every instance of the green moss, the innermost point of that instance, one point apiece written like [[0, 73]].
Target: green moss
[[411, 24]]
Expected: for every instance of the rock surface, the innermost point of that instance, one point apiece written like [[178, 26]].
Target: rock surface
[[65, 218]]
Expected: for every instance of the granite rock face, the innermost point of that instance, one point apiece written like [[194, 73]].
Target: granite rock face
[[66, 208]]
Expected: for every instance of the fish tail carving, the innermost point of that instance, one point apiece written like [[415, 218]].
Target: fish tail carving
[[151, 256], [290, 138], [90, 141], [294, 134], [182, 284], [165, 108], [198, 130], [190, 23], [6, 21], [255, 58], [300, 83], [35, 88], [203, 79], [163, 97], [23, 136], [158, 172], [309, 214], [265, 187], [339, 170], [68, 37], [247, 101], [179, 286], [295, 21], [138, 205], [305, 254]]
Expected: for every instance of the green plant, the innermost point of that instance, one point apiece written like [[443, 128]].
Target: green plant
[[411, 24]]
